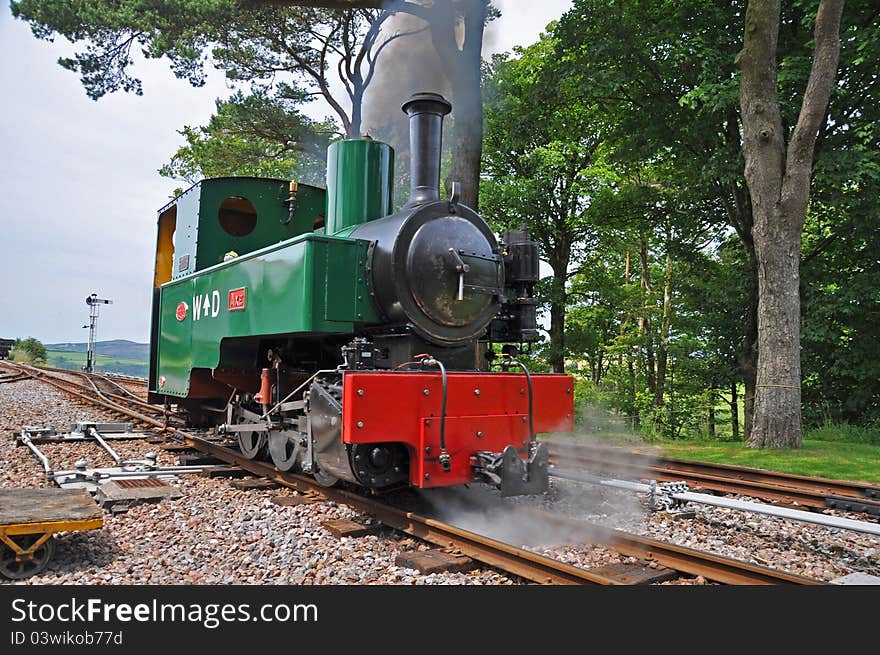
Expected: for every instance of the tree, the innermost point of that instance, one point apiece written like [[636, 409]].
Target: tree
[[596, 304], [259, 43], [543, 163], [251, 42], [778, 170], [30, 350], [259, 135], [663, 77], [456, 31]]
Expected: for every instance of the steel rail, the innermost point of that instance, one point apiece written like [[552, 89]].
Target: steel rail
[[64, 385], [526, 564], [125, 391], [11, 373], [759, 483], [636, 470], [90, 378], [141, 382], [717, 568], [816, 518]]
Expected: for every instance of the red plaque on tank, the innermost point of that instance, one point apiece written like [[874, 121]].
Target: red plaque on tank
[[181, 311], [237, 299]]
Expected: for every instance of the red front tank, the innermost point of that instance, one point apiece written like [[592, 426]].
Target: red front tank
[[485, 412]]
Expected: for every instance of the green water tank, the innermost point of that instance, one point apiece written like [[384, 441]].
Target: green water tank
[[360, 179]]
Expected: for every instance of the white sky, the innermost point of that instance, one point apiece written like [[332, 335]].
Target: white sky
[[79, 186]]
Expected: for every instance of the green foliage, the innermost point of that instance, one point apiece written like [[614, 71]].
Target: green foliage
[[664, 78], [543, 167], [110, 31], [280, 53], [247, 41], [845, 433], [259, 135], [29, 350]]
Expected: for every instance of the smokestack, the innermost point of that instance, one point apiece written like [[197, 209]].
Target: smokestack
[[426, 112]]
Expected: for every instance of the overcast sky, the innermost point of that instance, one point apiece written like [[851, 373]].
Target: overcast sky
[[78, 183]]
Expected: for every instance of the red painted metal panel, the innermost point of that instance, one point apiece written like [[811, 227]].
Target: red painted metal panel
[[462, 442], [237, 299], [405, 407]]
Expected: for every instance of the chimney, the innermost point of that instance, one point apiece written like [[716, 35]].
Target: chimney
[[426, 112]]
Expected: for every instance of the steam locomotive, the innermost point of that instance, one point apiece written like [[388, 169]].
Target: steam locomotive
[[351, 343]]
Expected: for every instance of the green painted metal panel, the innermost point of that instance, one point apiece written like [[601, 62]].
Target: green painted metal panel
[[310, 284], [272, 226], [174, 350], [360, 182], [350, 295]]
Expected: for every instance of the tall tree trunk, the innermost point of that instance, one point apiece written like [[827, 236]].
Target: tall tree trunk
[[778, 178], [557, 336], [624, 320], [777, 411], [748, 356], [711, 413], [599, 369], [560, 258], [634, 417], [468, 148], [663, 354], [464, 65], [734, 412], [357, 113], [645, 329]]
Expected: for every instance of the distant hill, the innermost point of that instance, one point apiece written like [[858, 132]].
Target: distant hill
[[117, 356], [118, 348]]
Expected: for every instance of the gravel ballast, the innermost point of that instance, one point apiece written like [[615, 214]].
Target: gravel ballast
[[216, 534]]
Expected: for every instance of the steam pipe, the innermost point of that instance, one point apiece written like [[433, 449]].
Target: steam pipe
[[444, 459], [532, 439], [426, 112]]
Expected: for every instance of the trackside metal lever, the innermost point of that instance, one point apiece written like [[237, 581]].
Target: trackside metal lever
[[462, 268]]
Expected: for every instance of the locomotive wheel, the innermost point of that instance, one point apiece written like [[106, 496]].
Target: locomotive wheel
[[251, 444], [324, 479], [18, 570], [283, 450]]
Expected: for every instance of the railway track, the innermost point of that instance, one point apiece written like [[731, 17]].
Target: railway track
[[511, 559], [88, 391], [785, 488]]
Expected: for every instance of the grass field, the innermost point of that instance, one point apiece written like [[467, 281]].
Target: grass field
[[76, 360], [827, 459]]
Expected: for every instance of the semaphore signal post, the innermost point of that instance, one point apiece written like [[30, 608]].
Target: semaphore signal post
[[94, 303]]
